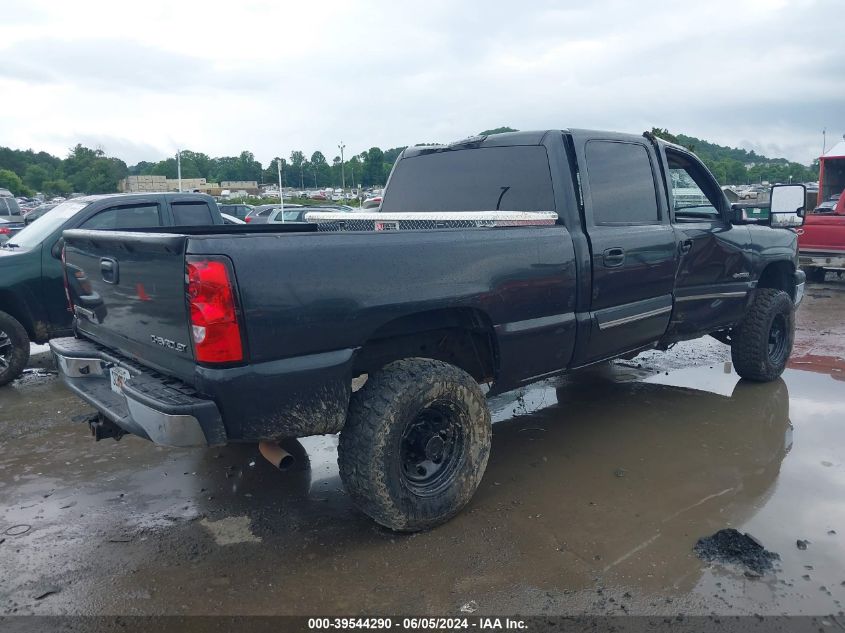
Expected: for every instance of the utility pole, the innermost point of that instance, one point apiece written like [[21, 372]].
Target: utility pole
[[824, 141], [342, 146], [281, 195], [179, 168], [315, 176]]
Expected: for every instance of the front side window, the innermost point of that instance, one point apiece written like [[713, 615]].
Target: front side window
[[513, 178], [693, 194], [621, 183], [194, 213], [124, 217]]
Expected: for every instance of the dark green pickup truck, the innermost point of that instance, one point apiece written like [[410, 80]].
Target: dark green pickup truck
[[33, 303]]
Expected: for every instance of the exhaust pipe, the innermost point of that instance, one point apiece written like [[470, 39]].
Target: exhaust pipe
[[276, 455]]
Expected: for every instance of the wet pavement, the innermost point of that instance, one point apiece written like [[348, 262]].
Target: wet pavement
[[597, 489]]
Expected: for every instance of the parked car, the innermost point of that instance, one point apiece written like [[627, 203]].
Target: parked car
[[372, 203], [10, 210], [259, 214], [821, 240], [33, 304], [557, 277], [231, 219], [8, 229], [238, 210], [38, 211]]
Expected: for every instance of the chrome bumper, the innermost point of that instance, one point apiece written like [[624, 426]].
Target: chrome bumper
[[146, 405]]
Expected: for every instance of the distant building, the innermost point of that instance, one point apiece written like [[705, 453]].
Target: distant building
[[135, 184]]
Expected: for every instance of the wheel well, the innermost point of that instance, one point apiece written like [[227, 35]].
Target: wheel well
[[463, 337], [780, 276], [11, 304]]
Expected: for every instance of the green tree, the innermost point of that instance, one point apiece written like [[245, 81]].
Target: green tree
[[58, 187], [34, 177], [11, 181], [373, 167], [498, 130]]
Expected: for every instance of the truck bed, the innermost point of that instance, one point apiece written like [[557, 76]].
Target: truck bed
[[309, 301]]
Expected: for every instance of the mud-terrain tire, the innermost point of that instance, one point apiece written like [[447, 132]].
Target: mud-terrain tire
[[761, 345], [14, 348], [815, 275], [415, 444]]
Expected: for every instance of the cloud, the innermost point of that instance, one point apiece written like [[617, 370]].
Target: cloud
[[273, 77]]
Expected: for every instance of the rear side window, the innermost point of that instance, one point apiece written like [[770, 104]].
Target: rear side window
[[193, 213], [621, 183], [482, 179], [125, 217]]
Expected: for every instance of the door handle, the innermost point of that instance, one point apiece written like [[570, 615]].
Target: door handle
[[613, 257], [108, 269], [685, 246]]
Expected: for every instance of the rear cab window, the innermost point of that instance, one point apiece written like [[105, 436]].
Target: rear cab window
[[515, 178]]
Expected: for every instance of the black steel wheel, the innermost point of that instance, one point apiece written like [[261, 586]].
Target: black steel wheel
[[415, 444], [761, 345]]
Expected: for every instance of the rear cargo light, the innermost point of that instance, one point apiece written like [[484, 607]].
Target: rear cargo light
[[214, 318]]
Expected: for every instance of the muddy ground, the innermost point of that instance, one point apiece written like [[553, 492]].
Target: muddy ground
[[597, 489]]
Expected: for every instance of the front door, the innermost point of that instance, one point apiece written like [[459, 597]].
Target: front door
[[634, 254], [714, 276]]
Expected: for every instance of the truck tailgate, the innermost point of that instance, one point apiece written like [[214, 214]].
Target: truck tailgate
[[128, 291]]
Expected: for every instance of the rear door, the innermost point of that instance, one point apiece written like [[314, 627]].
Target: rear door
[[634, 254]]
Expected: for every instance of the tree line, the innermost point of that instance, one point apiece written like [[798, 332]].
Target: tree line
[[734, 166], [369, 168], [87, 170], [25, 172]]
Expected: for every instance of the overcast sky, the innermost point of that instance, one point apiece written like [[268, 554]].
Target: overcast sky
[[141, 79]]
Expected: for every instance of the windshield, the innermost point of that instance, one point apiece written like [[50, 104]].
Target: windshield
[[35, 233]]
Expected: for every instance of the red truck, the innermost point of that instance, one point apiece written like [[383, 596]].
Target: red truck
[[821, 241]]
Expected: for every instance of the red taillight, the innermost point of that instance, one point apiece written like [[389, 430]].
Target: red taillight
[[5, 230], [214, 318], [247, 219]]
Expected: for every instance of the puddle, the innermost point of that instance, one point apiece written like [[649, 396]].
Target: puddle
[[231, 530]]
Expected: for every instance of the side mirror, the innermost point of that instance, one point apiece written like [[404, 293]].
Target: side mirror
[[787, 203], [56, 251]]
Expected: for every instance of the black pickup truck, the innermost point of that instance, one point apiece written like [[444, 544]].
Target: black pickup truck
[[535, 253]]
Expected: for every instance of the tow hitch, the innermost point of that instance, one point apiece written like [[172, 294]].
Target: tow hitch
[[102, 428]]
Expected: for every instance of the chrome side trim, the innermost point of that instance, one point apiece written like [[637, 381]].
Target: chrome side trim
[[536, 324], [635, 317], [714, 295]]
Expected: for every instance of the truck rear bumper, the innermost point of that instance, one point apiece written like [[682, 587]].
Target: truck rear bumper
[[161, 409], [833, 261]]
